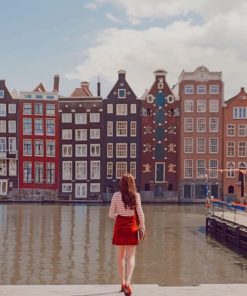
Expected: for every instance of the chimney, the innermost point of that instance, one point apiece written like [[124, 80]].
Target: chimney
[[85, 85], [121, 74], [98, 88], [160, 73], [56, 83], [242, 89]]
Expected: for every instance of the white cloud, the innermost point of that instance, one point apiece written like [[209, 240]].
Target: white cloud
[[91, 5], [113, 18]]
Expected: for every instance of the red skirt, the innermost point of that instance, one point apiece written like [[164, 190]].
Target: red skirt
[[125, 231]]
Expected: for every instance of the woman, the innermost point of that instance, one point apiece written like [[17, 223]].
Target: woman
[[125, 205]]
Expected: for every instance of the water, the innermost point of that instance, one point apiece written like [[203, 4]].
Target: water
[[71, 244]]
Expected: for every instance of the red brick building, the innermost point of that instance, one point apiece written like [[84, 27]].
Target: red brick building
[[235, 146], [39, 138], [201, 125]]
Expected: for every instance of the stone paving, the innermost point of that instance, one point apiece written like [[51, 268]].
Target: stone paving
[[113, 290]]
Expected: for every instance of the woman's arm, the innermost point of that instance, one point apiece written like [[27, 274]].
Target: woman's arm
[[140, 211], [113, 207]]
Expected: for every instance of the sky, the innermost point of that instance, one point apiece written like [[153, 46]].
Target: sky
[[82, 40]]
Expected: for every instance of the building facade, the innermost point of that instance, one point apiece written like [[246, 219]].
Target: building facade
[[38, 142], [81, 136], [200, 149], [235, 146], [160, 113], [8, 141], [121, 134]]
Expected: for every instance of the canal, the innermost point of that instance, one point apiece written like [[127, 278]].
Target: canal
[[71, 244]]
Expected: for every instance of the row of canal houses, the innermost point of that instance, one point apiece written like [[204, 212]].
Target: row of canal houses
[[180, 144]]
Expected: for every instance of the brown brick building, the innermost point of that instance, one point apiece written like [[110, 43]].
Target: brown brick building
[[235, 146], [200, 149]]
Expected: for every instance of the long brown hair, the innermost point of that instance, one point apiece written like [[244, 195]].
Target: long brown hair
[[128, 191]]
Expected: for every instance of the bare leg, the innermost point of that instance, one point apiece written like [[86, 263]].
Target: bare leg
[[130, 252], [121, 262]]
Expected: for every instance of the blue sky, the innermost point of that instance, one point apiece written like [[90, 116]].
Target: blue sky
[[82, 39]]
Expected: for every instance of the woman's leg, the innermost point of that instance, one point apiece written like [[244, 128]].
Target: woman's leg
[[130, 254], [121, 263]]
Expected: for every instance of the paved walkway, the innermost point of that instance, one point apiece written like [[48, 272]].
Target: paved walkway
[[112, 290]]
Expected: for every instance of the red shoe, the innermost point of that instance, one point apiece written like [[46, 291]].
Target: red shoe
[[127, 291], [122, 288]]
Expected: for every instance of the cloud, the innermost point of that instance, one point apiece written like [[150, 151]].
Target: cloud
[[113, 18], [90, 5]]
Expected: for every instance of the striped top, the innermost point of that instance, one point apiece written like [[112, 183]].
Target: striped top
[[117, 208]]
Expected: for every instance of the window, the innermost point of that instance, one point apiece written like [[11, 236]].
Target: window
[[188, 145], [12, 167], [50, 148], [213, 145], [50, 109], [240, 112], [121, 168], [94, 149], [38, 108], [12, 126], [213, 124], [95, 187], [213, 106], [189, 89], [188, 106], [39, 172], [214, 89], [12, 145], [188, 168], [38, 122], [94, 117], [133, 150], [81, 170], [231, 130], [109, 170], [159, 172], [201, 89], [27, 126], [66, 117], [201, 168], [81, 150], [67, 150], [2, 126], [27, 147], [213, 168], [95, 133], [81, 190], [2, 145], [201, 106], [50, 97], [39, 148], [27, 109], [66, 187], [201, 125], [81, 135], [121, 150], [188, 124], [50, 127], [95, 170], [109, 150], [109, 108], [133, 168], [122, 93], [230, 169], [50, 172], [122, 109], [2, 109], [27, 172], [12, 108], [133, 108], [121, 127], [242, 130], [3, 167], [133, 128], [67, 170], [80, 118], [230, 146], [242, 149], [109, 128], [1, 94], [39, 96], [201, 145], [67, 134]]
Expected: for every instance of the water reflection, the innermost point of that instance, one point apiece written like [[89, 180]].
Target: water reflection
[[71, 244]]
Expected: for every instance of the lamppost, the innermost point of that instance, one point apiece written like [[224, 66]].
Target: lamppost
[[206, 184]]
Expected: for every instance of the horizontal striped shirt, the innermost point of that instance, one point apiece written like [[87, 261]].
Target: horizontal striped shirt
[[117, 208]]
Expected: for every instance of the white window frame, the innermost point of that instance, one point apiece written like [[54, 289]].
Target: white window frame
[[201, 106], [95, 164], [231, 130], [187, 123], [120, 90], [201, 122], [121, 168], [213, 106], [40, 150], [109, 150], [213, 170], [95, 187], [133, 125], [213, 124], [67, 150], [30, 130], [82, 189], [133, 150], [121, 109], [81, 150], [81, 134], [94, 133], [40, 130], [12, 108], [109, 128], [133, 108], [121, 150], [24, 150], [188, 106], [66, 134], [242, 130], [81, 170], [67, 165], [188, 144], [94, 117], [201, 147], [109, 108], [201, 89], [3, 126], [50, 132], [66, 117], [232, 147], [50, 152], [189, 89], [230, 165], [94, 150], [214, 89], [67, 187], [188, 168], [122, 128], [12, 126], [242, 149], [12, 145], [212, 147], [200, 167], [109, 170], [12, 167], [133, 168]]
